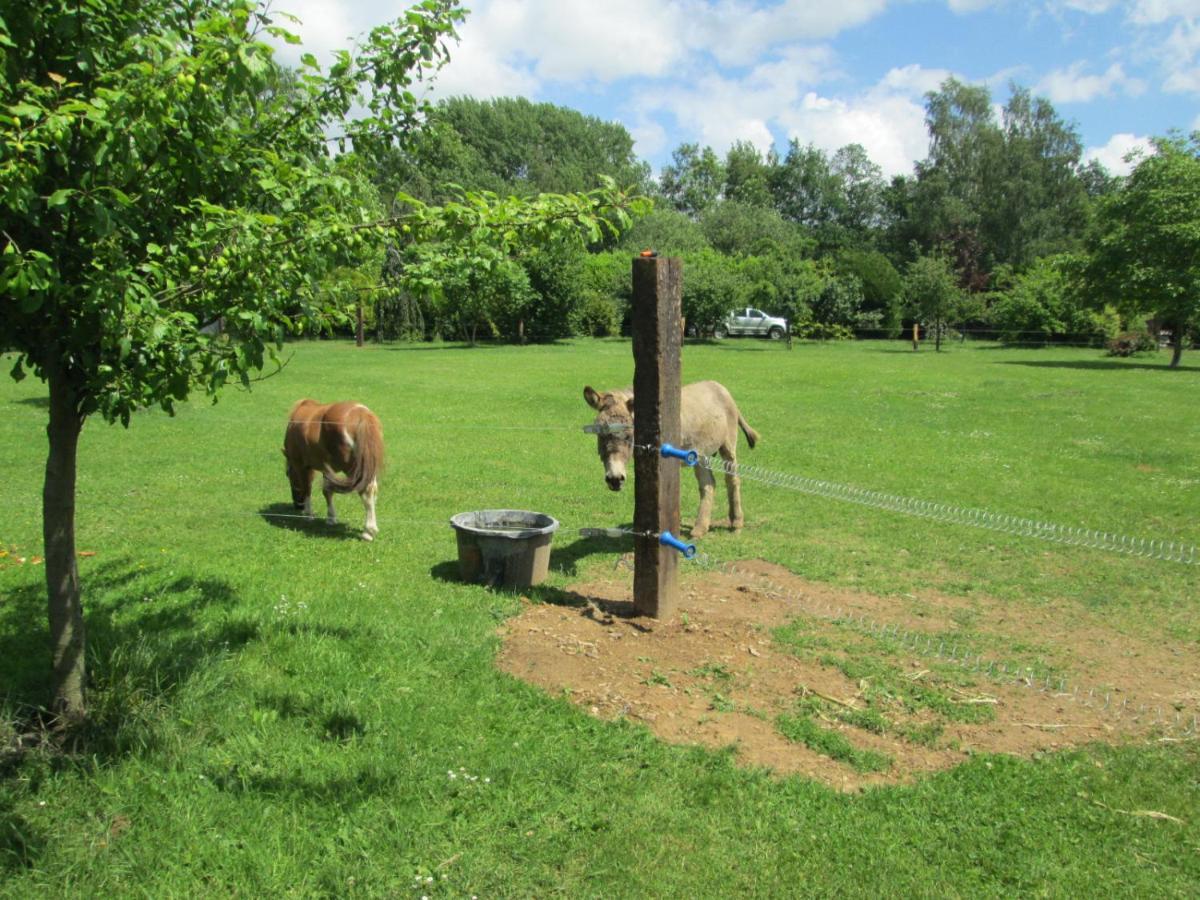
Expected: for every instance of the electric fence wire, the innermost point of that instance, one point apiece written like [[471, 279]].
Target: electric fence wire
[[1146, 548]]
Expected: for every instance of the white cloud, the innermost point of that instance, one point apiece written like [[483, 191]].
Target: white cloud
[[737, 32], [1155, 12], [1073, 85], [1179, 57], [326, 26], [889, 123], [475, 70], [779, 100], [1112, 155], [963, 7], [1092, 7]]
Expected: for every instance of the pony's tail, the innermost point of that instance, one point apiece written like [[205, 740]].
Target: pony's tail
[[368, 458], [751, 434]]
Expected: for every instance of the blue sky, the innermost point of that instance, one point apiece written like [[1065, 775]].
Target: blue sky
[[829, 73]]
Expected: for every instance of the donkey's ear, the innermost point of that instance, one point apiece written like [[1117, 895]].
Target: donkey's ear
[[592, 398]]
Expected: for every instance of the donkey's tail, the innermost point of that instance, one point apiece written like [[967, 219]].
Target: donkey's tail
[[751, 434], [368, 457]]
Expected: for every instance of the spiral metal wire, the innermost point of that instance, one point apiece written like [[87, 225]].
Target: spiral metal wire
[[1147, 548]]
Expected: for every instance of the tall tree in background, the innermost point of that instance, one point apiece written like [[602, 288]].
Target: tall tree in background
[[1145, 250], [808, 191], [862, 186], [956, 181], [1039, 203], [512, 145], [157, 174], [997, 193], [748, 175], [693, 180]]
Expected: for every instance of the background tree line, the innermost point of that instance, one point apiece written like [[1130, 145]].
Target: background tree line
[[1003, 212]]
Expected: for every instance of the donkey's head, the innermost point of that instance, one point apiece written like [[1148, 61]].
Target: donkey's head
[[300, 480], [614, 410]]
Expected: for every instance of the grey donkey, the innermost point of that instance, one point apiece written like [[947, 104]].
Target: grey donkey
[[709, 422]]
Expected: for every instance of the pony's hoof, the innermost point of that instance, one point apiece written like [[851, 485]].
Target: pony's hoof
[[330, 521], [736, 525], [699, 532], [368, 536]]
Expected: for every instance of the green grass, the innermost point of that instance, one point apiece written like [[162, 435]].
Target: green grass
[[278, 707], [802, 729]]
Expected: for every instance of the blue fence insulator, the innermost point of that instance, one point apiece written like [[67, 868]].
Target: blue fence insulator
[[688, 457], [669, 540]]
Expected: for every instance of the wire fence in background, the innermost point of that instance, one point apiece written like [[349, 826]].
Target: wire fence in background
[[1147, 548]]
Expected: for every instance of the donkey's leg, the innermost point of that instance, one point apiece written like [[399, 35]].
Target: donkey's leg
[[708, 486], [368, 498], [733, 487], [330, 512]]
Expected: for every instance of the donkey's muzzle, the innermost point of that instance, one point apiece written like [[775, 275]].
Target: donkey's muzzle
[[614, 481]]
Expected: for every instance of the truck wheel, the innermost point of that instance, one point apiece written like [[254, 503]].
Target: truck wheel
[[775, 333], [720, 332]]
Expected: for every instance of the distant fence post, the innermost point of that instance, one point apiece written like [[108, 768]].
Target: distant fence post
[[657, 339]]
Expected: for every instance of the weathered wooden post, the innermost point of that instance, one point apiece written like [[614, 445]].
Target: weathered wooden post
[[657, 338]]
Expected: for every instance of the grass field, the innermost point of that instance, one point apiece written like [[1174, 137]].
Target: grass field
[[284, 709]]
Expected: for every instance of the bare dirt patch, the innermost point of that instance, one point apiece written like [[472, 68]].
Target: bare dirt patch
[[758, 648]]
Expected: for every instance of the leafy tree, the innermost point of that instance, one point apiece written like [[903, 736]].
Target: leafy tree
[[1040, 203], [748, 175], [808, 191], [881, 285], [1043, 300], [839, 302], [931, 293], [512, 145], [712, 286], [464, 257], [670, 232], [996, 193], [555, 276], [1145, 251], [861, 184], [783, 283], [740, 229], [159, 173], [692, 182]]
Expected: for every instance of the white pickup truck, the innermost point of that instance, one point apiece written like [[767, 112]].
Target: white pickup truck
[[750, 321]]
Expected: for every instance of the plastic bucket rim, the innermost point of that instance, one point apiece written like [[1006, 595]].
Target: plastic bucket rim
[[459, 523]]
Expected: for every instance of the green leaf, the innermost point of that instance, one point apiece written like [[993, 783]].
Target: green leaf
[[59, 197]]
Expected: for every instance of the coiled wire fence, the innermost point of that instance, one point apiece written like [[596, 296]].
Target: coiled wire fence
[[1147, 548]]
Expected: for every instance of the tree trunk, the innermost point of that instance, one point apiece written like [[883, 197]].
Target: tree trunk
[[359, 337], [937, 339], [58, 534], [1177, 343]]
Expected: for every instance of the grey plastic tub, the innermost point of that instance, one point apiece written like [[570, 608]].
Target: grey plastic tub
[[509, 547]]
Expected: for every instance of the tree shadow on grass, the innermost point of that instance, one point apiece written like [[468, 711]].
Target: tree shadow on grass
[[38, 402], [1096, 364], [286, 516], [149, 633]]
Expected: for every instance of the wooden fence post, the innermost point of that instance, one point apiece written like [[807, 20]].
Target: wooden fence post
[[657, 338]]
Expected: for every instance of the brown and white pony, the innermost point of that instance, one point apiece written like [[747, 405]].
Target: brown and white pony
[[331, 438]]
